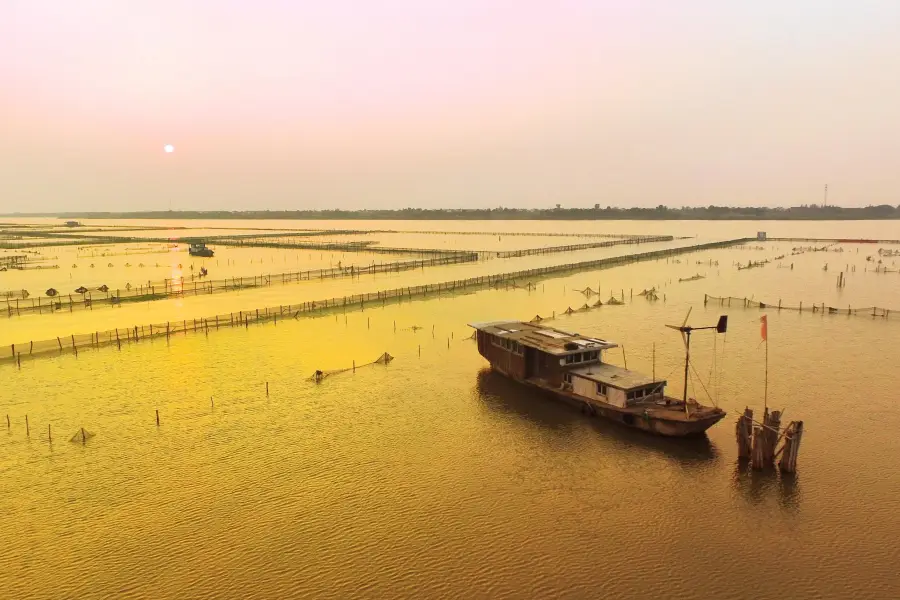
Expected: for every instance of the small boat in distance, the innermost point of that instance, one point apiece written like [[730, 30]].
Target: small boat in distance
[[570, 367], [200, 249]]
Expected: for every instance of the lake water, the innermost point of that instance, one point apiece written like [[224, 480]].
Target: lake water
[[432, 477]]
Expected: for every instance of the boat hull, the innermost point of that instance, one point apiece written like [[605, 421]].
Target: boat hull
[[669, 421]]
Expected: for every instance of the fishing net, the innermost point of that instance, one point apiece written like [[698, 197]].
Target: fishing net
[[81, 436], [320, 375]]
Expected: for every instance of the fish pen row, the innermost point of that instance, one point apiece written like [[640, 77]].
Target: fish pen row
[[872, 311], [334, 246], [509, 233], [18, 302], [571, 247], [72, 342]]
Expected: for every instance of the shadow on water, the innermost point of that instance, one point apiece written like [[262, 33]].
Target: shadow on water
[[504, 395], [757, 487], [501, 394]]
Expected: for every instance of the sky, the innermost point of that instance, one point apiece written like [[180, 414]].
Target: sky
[[291, 104]]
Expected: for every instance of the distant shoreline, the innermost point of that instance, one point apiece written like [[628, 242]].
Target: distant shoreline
[[711, 213]]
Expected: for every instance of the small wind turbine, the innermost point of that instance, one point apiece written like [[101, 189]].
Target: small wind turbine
[[686, 330]]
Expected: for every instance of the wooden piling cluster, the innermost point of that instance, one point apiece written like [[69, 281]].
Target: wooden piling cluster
[[758, 442], [138, 333]]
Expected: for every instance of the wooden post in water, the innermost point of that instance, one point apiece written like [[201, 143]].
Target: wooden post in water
[[157, 421], [267, 389], [354, 366], [27, 427], [757, 458], [49, 436], [791, 447], [744, 432]]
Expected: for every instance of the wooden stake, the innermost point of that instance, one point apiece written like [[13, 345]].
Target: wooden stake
[[49, 437], [27, 427], [744, 433], [791, 448], [267, 389], [157, 421]]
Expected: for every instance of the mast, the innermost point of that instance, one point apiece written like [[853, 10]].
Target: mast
[[686, 330]]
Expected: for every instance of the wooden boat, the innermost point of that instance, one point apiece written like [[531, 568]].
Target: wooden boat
[[200, 249], [569, 367]]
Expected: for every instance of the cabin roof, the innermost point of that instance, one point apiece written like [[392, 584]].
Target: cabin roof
[[614, 376], [543, 338]]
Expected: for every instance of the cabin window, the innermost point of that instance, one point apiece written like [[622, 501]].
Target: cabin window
[[582, 357], [601, 389], [638, 394]]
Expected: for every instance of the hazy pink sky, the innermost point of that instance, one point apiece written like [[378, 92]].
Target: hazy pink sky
[[391, 103]]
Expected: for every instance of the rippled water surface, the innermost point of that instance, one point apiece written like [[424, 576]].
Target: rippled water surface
[[432, 477]]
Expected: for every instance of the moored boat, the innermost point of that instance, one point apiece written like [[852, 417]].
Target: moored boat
[[200, 249], [570, 367]]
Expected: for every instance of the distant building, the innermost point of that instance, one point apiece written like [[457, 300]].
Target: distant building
[[73, 224], [761, 236]]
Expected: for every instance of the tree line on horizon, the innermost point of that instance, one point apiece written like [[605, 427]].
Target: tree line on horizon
[[703, 213]]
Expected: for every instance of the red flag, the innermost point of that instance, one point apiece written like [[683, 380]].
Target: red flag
[[764, 327]]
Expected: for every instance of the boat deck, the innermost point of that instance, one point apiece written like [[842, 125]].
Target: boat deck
[[673, 412]]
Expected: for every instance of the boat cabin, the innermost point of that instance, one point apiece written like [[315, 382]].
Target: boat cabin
[[563, 360], [199, 249]]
